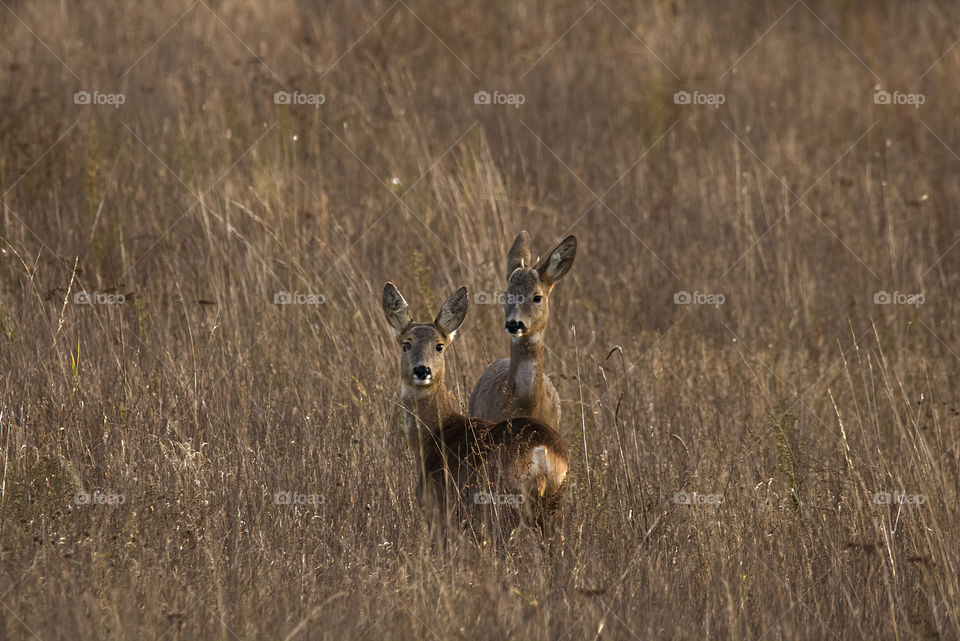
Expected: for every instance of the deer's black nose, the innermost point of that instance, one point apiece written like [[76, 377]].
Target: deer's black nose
[[422, 372], [515, 327]]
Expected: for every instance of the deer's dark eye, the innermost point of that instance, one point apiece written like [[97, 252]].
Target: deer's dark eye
[[439, 347], [405, 347], [537, 298]]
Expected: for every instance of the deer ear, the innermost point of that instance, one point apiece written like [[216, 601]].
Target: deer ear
[[559, 261], [452, 313], [395, 308], [519, 254]]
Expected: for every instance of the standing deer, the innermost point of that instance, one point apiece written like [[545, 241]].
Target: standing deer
[[517, 386], [465, 461]]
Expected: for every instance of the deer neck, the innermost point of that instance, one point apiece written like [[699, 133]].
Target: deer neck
[[526, 368], [428, 410]]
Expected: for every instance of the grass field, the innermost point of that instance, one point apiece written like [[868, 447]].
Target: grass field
[[757, 349]]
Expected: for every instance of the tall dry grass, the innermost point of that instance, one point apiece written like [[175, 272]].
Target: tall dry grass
[[798, 399]]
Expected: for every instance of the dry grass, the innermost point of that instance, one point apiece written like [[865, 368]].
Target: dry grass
[[197, 399]]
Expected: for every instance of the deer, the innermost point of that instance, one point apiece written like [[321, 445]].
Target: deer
[[465, 462], [517, 386]]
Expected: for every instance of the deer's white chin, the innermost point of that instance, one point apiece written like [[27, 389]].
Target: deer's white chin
[[416, 392], [422, 382], [527, 337]]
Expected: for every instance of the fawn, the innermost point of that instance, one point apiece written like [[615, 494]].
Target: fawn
[[466, 461], [517, 386]]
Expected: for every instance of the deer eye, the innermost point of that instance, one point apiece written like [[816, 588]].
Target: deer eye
[[439, 347], [538, 298], [405, 347]]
